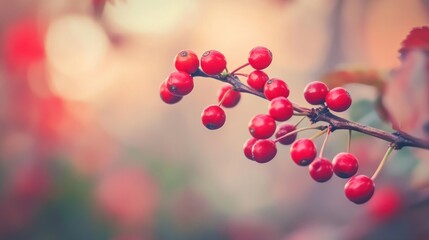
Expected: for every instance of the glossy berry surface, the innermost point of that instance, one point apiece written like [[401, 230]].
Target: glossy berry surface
[[262, 126], [167, 96], [257, 80], [303, 151], [260, 58], [186, 61], [280, 108], [264, 150], [228, 96], [321, 170], [213, 117], [275, 88], [180, 83], [359, 189], [284, 129], [247, 147], [338, 99], [213, 62], [315, 92], [345, 165]]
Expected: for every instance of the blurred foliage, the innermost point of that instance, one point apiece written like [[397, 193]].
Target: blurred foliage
[[88, 151]]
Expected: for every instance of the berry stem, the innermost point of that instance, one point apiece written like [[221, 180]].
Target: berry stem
[[324, 142], [323, 128], [349, 140], [240, 67], [383, 161], [300, 120], [318, 134], [241, 74], [398, 139], [223, 97]]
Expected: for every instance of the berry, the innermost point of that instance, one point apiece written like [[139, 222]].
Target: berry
[[260, 58], [345, 165], [338, 99], [167, 96], [315, 92], [321, 169], [213, 117], [280, 108], [186, 61], [303, 152], [386, 203], [228, 96], [359, 189], [180, 83], [213, 62], [247, 147], [262, 126], [257, 80], [264, 150], [275, 88], [284, 129]]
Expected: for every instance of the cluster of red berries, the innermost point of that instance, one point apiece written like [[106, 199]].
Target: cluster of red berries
[[359, 189], [260, 148]]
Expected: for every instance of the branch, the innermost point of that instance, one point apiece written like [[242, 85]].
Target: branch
[[397, 139]]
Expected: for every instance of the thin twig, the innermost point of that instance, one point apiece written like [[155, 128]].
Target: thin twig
[[397, 139]]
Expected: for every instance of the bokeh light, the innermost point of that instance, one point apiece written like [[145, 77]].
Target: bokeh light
[[89, 151], [76, 47]]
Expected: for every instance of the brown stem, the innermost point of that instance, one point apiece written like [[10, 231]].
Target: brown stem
[[397, 139]]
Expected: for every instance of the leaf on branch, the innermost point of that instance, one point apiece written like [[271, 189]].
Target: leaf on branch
[[368, 77], [406, 96], [363, 111], [363, 76], [418, 38]]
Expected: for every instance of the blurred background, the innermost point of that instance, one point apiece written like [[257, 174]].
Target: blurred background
[[89, 151]]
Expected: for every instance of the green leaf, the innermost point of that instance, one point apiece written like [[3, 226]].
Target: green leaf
[[364, 112], [402, 164]]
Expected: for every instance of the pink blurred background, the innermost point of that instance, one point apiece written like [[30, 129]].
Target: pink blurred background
[[89, 151]]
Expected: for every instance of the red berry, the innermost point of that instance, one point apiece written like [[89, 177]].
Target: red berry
[[262, 126], [280, 108], [386, 203], [264, 150], [260, 58], [186, 61], [257, 80], [284, 129], [338, 99], [359, 189], [345, 165], [303, 152], [213, 62], [247, 147], [275, 88], [321, 169], [228, 96], [180, 83], [167, 96], [213, 117], [315, 92]]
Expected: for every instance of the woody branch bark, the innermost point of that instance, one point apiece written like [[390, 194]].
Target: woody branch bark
[[321, 114]]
